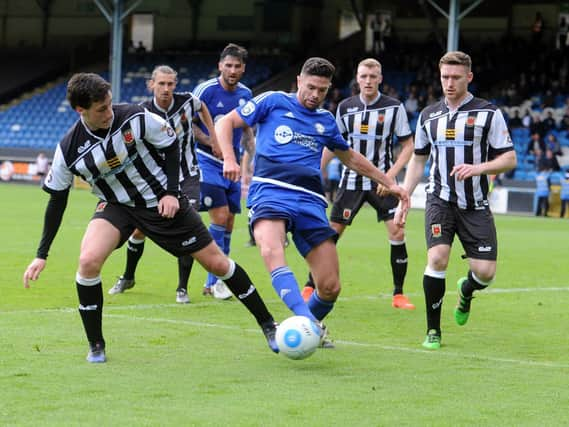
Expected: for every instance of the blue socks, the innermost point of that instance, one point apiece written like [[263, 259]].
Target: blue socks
[[319, 307], [218, 234], [286, 287]]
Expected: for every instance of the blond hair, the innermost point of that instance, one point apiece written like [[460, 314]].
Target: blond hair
[[370, 63], [456, 58]]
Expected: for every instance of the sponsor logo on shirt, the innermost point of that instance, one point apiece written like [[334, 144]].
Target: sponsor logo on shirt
[[283, 134], [450, 133], [364, 128]]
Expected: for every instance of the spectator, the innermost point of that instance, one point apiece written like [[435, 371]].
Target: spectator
[[42, 167], [516, 121], [543, 184], [548, 124], [535, 145]]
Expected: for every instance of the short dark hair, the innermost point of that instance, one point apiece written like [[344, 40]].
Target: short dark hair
[[235, 50], [318, 67], [85, 88]]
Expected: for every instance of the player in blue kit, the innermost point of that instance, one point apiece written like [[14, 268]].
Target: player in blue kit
[[286, 191], [219, 196]]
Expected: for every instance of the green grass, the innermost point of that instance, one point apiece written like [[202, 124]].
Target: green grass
[[206, 363]]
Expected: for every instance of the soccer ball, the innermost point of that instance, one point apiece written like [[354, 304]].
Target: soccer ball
[[297, 337]]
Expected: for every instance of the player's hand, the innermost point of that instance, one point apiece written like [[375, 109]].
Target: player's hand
[[215, 148], [33, 271], [231, 170], [400, 217], [383, 190], [464, 171], [404, 202], [168, 206]]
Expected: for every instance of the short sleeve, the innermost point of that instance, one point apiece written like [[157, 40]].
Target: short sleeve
[[158, 132]]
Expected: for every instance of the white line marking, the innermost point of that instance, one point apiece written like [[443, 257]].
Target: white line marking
[[439, 353]]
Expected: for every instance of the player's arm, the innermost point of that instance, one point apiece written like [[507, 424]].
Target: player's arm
[[500, 152], [224, 129], [248, 143], [52, 220], [206, 119], [160, 134], [357, 162], [403, 158], [502, 163]]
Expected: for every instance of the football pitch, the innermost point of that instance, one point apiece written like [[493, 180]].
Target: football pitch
[[207, 364]]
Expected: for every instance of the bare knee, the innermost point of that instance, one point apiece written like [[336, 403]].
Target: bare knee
[[329, 288], [90, 264], [217, 264]]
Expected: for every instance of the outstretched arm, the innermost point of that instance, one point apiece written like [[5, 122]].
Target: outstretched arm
[[52, 220], [357, 162]]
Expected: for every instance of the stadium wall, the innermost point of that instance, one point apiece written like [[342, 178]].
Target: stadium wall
[[274, 23]]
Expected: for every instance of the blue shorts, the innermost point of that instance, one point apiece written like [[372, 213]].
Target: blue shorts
[[214, 196], [305, 220]]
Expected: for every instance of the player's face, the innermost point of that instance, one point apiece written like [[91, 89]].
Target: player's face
[[312, 90], [231, 70], [99, 115], [163, 86], [369, 79], [454, 80]]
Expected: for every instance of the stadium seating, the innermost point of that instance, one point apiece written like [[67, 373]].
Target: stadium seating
[[40, 121]]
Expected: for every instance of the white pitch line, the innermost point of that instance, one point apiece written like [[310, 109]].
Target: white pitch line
[[444, 353]]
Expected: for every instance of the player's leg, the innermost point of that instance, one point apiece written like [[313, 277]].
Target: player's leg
[[270, 235], [477, 233], [398, 257], [190, 187], [134, 251], [434, 287], [310, 284], [345, 208], [238, 281], [100, 239], [323, 263], [440, 228], [186, 234]]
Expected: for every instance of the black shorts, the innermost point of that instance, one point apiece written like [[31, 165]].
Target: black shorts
[[182, 235], [348, 203], [475, 228], [191, 189]]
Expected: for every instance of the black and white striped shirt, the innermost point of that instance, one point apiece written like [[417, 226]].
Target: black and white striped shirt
[[475, 133], [123, 166], [369, 130], [179, 114]]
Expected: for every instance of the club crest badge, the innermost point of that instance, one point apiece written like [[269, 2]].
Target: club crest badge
[[436, 230]]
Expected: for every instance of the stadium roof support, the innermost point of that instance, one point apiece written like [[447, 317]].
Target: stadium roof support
[[115, 17], [454, 16]]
